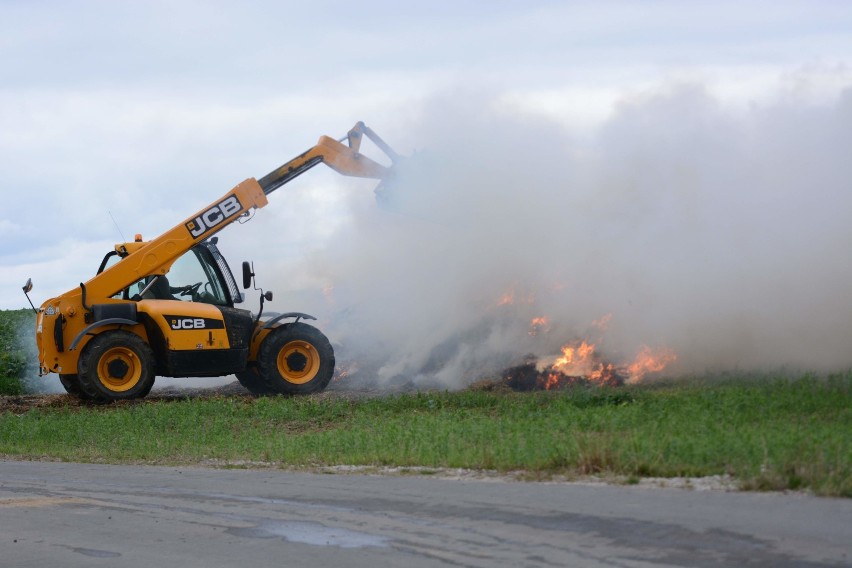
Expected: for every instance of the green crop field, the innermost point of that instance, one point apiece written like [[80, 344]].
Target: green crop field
[[17, 349]]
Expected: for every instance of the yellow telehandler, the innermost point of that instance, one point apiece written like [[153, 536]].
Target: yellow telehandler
[[165, 307]]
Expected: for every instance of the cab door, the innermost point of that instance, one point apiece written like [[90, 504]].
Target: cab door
[[193, 326]]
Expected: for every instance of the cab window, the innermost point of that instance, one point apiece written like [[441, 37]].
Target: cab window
[[191, 279]]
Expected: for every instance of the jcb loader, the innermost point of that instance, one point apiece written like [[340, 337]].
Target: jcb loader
[[166, 307]]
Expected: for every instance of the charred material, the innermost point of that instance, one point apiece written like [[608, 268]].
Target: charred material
[[529, 377]]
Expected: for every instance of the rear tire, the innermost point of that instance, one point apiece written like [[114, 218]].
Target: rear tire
[[296, 358], [116, 365]]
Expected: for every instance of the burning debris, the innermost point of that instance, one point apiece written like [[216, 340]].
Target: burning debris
[[581, 363], [578, 365], [516, 295], [539, 325], [529, 376], [343, 372]]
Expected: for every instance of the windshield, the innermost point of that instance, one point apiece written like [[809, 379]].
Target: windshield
[[192, 278]]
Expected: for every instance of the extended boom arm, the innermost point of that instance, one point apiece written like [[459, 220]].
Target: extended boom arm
[[157, 255], [343, 159]]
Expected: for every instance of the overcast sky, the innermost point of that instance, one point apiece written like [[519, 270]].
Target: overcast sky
[[146, 111]]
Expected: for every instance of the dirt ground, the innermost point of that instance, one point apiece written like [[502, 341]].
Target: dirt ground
[[22, 403], [337, 389]]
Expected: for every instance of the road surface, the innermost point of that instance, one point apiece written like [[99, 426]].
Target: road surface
[[56, 514]]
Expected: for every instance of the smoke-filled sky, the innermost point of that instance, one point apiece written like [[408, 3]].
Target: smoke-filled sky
[[683, 167]]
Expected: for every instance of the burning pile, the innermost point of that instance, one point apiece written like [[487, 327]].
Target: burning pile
[[490, 350], [581, 363]]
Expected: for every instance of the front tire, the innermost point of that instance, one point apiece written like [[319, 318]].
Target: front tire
[[253, 382], [71, 384], [296, 358], [116, 365]]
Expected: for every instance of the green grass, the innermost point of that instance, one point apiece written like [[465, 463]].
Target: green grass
[[767, 434]]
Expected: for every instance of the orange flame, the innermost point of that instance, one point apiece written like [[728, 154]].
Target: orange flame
[[580, 362], [551, 381], [575, 359], [511, 296], [649, 361], [344, 372], [539, 325], [507, 298]]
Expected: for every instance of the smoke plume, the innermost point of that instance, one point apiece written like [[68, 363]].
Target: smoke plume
[[720, 233]]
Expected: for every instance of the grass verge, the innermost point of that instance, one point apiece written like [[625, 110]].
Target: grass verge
[[768, 434]]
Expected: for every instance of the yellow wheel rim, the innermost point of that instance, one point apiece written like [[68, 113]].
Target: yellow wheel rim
[[298, 362], [119, 369]]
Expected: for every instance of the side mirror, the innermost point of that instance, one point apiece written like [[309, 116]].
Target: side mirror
[[27, 288], [268, 295], [248, 274]]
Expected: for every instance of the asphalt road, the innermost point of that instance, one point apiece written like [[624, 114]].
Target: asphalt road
[[54, 514]]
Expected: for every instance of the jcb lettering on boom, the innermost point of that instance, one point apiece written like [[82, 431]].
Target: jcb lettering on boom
[[223, 210]]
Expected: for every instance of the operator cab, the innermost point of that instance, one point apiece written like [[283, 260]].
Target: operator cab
[[200, 275]]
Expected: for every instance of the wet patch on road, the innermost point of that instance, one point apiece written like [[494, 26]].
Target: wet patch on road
[[311, 533]]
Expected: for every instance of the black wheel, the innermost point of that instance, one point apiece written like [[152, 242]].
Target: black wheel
[[116, 365], [296, 358], [71, 384], [253, 383]]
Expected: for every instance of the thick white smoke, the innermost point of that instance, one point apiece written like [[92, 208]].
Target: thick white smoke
[[721, 233]]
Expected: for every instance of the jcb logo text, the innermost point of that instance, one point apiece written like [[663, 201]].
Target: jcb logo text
[[226, 208], [188, 323]]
